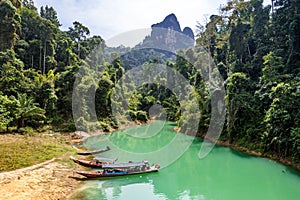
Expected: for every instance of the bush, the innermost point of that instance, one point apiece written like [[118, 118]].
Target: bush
[[104, 126], [27, 131], [70, 127], [57, 121], [142, 116]]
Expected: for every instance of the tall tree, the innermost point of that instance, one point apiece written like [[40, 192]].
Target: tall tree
[[241, 108], [78, 32], [48, 33], [41, 36], [29, 4], [7, 111], [12, 74], [293, 63], [9, 24], [50, 14]]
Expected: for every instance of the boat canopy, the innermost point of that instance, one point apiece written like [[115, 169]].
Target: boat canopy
[[106, 159], [126, 165], [94, 151]]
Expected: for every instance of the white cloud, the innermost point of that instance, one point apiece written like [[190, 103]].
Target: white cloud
[[111, 17]]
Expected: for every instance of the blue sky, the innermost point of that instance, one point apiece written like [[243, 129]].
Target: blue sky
[[108, 18]]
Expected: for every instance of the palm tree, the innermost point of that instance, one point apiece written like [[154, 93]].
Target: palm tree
[[28, 109]]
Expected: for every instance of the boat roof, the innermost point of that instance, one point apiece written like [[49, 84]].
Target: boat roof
[[106, 159], [125, 165]]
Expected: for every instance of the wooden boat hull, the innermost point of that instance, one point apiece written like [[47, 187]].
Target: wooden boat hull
[[87, 163], [93, 152], [100, 174]]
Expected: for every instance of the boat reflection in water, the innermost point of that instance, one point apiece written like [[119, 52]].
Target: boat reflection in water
[[129, 187]]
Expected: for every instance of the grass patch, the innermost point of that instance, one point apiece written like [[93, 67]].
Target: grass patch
[[18, 151]]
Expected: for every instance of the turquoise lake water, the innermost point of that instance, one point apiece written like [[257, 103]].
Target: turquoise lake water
[[224, 174]]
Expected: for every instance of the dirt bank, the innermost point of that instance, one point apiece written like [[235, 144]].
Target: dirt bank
[[48, 180]]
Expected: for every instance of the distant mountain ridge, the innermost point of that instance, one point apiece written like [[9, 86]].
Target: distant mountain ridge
[[161, 45]]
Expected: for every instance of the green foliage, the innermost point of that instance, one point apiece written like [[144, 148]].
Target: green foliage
[[273, 68], [256, 52], [29, 4], [12, 75], [9, 23], [282, 120], [78, 33], [50, 14], [7, 113], [27, 110], [44, 92], [41, 35], [293, 63], [242, 108]]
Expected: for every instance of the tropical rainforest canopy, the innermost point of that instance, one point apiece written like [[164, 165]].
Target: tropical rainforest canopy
[[256, 50]]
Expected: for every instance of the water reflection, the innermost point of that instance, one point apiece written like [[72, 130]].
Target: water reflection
[[135, 187]]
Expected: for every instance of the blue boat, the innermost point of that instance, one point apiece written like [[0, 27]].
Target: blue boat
[[122, 169]]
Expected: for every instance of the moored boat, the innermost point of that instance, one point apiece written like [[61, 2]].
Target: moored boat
[[102, 173], [130, 166], [96, 162], [123, 169], [93, 151], [112, 172]]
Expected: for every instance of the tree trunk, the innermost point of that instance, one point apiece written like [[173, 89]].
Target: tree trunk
[[78, 48], [32, 62], [40, 60], [22, 122], [272, 4], [44, 62]]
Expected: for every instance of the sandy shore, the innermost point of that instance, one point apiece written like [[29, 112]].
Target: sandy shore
[[52, 179], [48, 180]]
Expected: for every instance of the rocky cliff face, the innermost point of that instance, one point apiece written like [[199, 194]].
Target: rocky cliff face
[[161, 45], [189, 32], [168, 35], [171, 22]]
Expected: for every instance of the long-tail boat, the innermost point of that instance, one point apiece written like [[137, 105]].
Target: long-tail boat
[[93, 151], [123, 169], [97, 162]]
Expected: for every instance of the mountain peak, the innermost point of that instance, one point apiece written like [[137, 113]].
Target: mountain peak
[[189, 32], [172, 15], [167, 35], [170, 21]]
